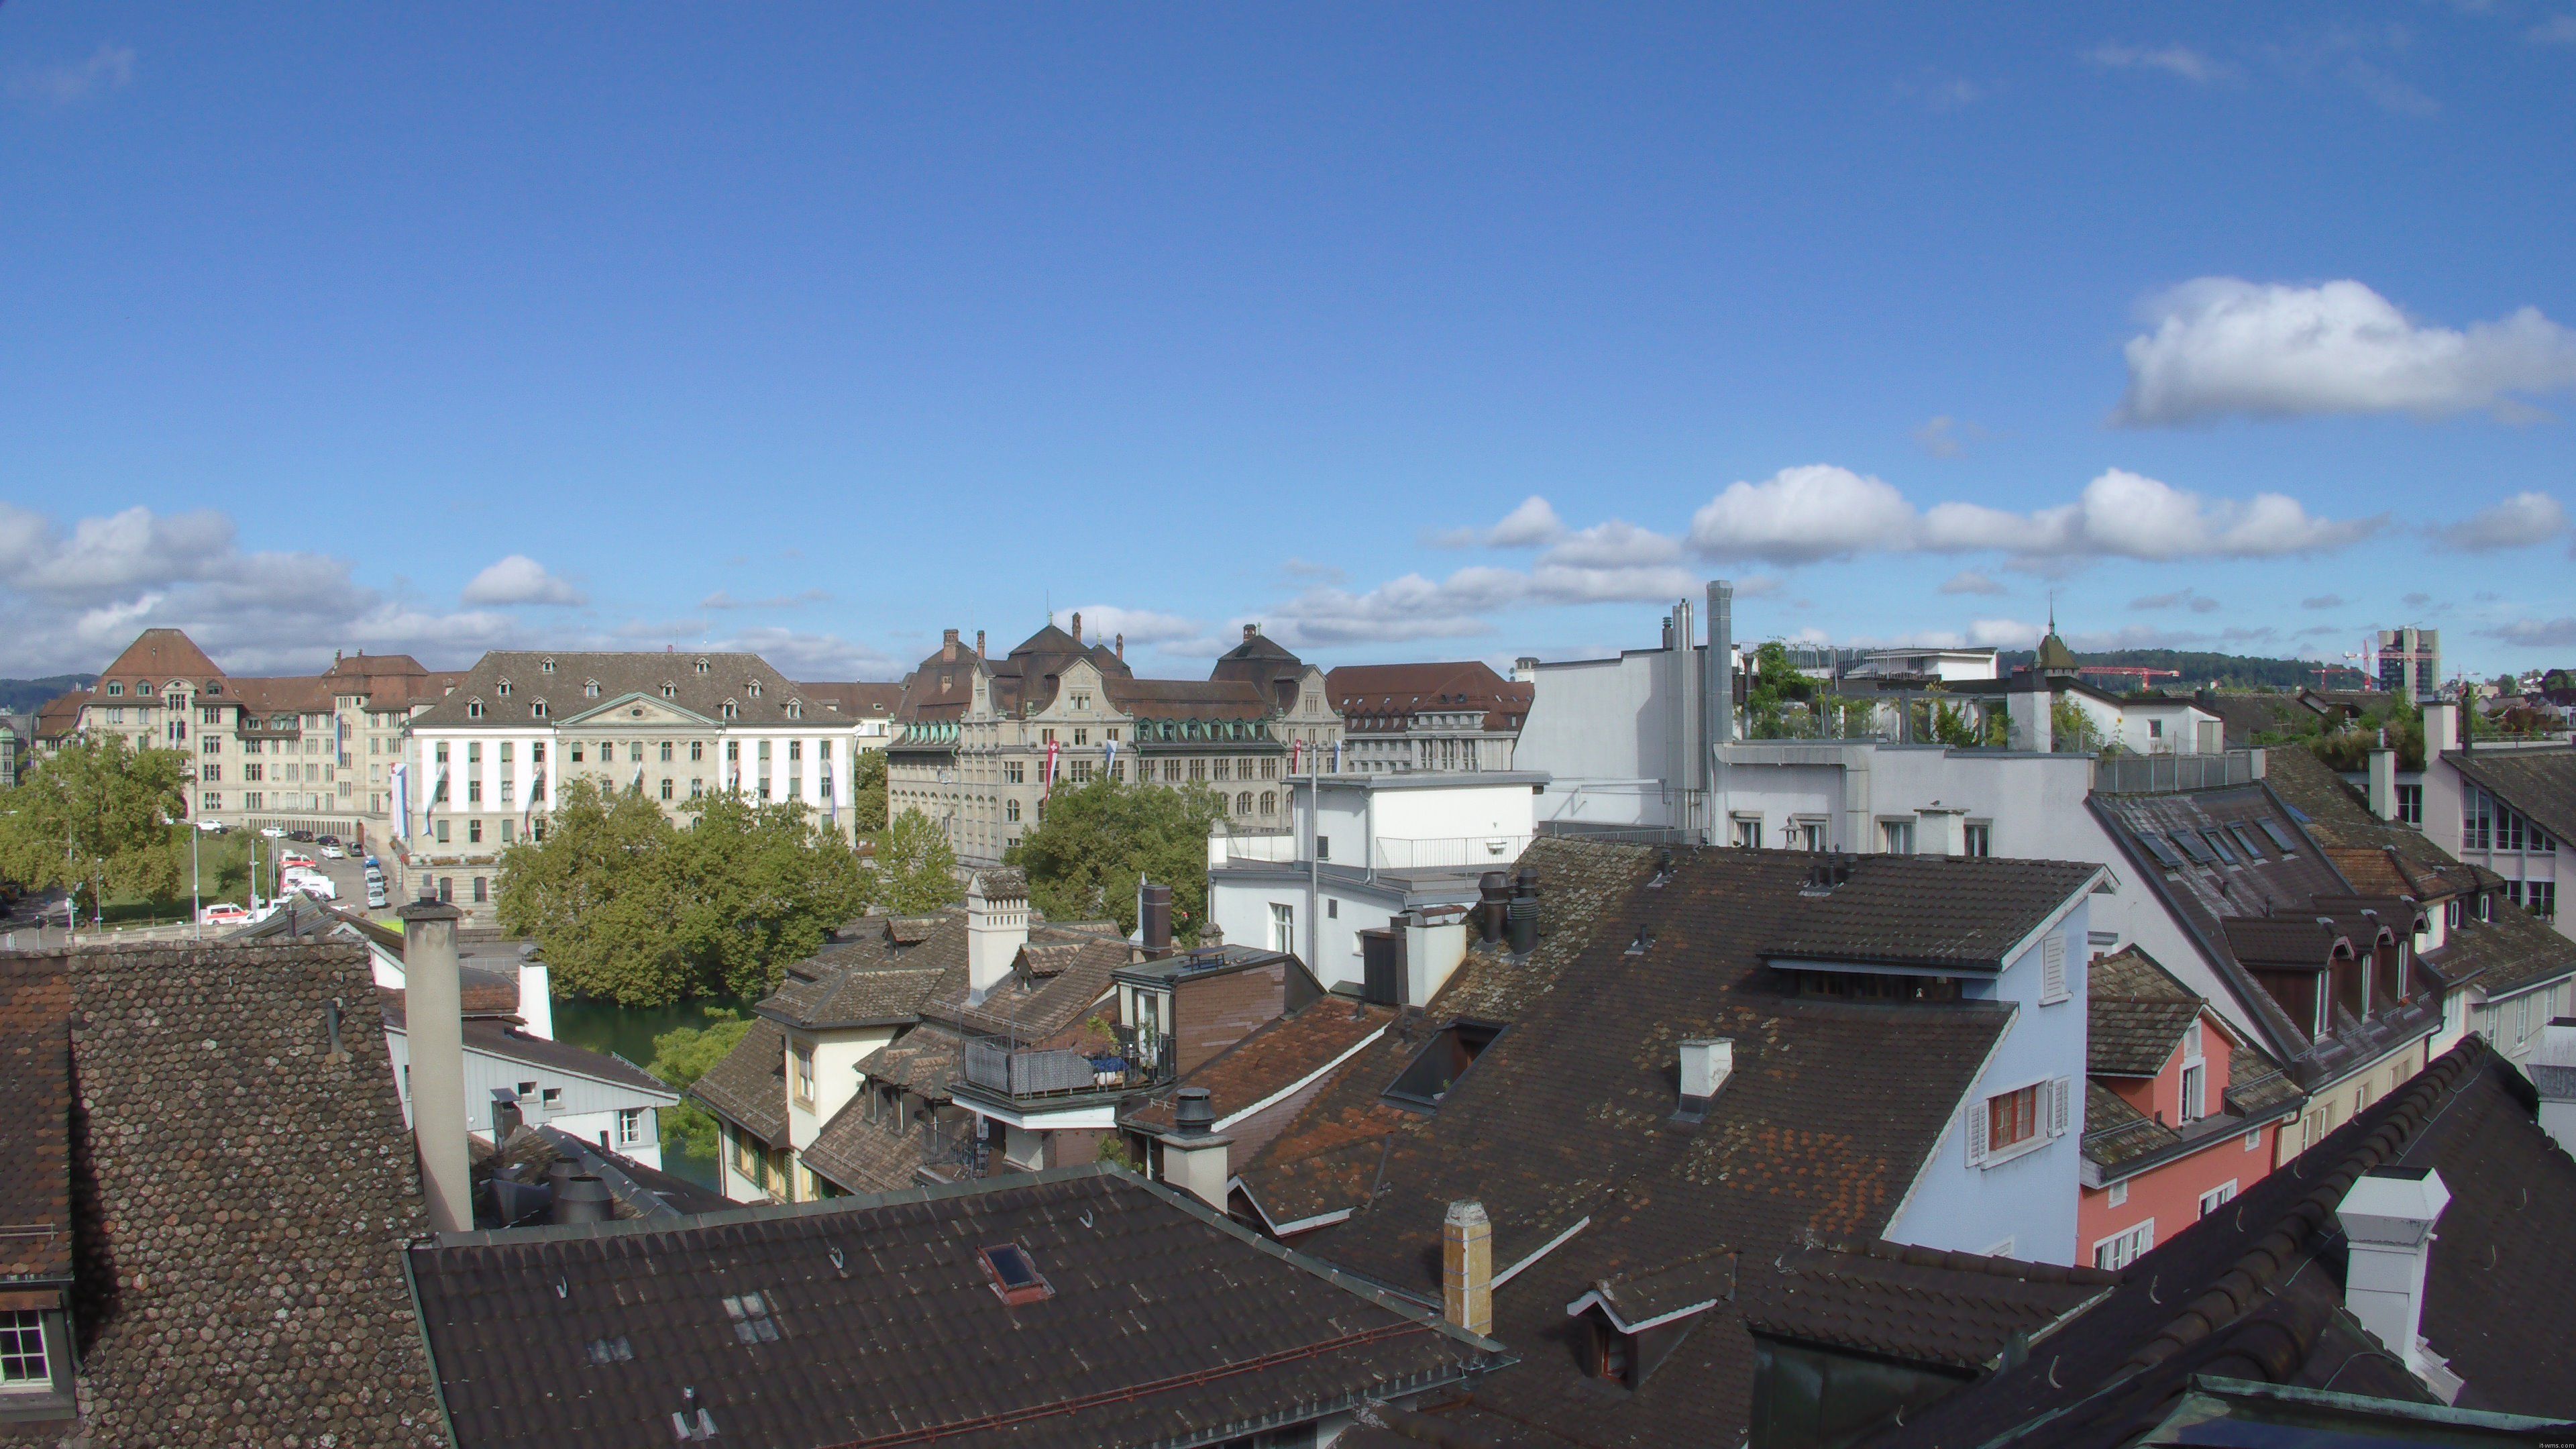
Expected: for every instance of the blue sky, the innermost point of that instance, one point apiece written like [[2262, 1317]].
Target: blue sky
[[817, 330]]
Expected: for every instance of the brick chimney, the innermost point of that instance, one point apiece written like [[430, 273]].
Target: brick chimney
[[997, 926], [947, 646], [1249, 630], [1467, 1267], [979, 643], [1122, 643], [435, 1027], [1077, 626], [2388, 1219]]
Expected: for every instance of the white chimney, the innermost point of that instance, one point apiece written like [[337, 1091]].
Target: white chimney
[[1435, 941], [1194, 1152], [2388, 1219], [2552, 1068], [536, 998], [2441, 730], [1706, 1064], [1467, 1267], [434, 1022], [997, 926], [1940, 829], [2033, 728], [2383, 780]]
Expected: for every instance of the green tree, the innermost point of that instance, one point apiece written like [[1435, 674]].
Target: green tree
[[682, 1056], [99, 815], [916, 870], [868, 792], [1954, 726], [1777, 684], [2071, 729], [632, 908], [1085, 857]]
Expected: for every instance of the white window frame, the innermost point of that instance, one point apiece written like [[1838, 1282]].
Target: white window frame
[[2052, 969], [2125, 1246], [2119, 1193], [2053, 1108], [1747, 834], [30, 1321], [630, 1126], [1283, 927], [2195, 1091], [2218, 1197]]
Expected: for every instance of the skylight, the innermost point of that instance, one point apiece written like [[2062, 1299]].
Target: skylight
[[2218, 842], [2279, 836], [2192, 847], [1015, 1274], [752, 1322], [2163, 853], [2245, 842], [1441, 1062]]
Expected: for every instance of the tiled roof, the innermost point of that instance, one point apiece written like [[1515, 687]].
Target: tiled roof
[[2512, 953], [2245, 715], [59, 716], [855, 701], [1916, 1304], [246, 1195], [2257, 1088], [35, 1118], [564, 691], [1641, 1297], [860, 1154], [2135, 1015], [1567, 1116], [749, 1086], [2255, 1291], [2539, 783], [2336, 816], [1401, 690], [2116, 1133], [157, 656], [1932, 910], [1272, 1060], [923, 1061], [1160, 1322]]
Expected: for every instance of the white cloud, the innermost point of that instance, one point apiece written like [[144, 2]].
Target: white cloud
[[2518, 522], [2003, 633], [1802, 515], [1105, 622], [813, 657], [723, 600], [2536, 633], [1614, 544], [2184, 598], [1969, 581], [110, 67], [1533, 523], [2175, 60], [520, 579], [1947, 437], [2221, 345]]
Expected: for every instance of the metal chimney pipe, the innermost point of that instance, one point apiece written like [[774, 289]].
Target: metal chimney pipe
[[1155, 918], [436, 1027], [1493, 899], [583, 1199], [1521, 920], [1720, 701]]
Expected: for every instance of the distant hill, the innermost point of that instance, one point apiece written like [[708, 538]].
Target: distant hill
[[26, 696], [2198, 670]]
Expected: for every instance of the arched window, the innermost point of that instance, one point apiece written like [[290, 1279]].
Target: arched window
[[731, 709], [502, 689], [1269, 802], [590, 689], [473, 709], [1243, 803]]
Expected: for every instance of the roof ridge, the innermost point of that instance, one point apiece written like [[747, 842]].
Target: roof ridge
[[2233, 1293]]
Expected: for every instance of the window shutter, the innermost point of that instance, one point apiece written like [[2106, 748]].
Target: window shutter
[[1977, 1125], [2052, 970], [2057, 1095]]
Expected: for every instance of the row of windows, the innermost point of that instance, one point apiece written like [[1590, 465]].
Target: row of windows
[[1895, 837], [2487, 823]]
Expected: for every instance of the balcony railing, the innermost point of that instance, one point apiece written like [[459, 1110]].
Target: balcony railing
[[1450, 852], [2165, 774], [1026, 1072]]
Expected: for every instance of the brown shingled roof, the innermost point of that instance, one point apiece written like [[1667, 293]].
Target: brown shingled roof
[[157, 656], [1915, 1304], [35, 1118], [2136, 1013]]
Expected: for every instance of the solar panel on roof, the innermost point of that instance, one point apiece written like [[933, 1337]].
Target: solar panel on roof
[[2163, 853], [2279, 836]]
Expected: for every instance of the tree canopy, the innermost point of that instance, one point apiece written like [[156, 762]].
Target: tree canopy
[[99, 814], [868, 792], [916, 870], [1084, 858], [634, 909], [683, 1055]]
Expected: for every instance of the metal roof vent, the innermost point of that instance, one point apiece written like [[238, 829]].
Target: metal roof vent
[[1644, 941], [1193, 1112]]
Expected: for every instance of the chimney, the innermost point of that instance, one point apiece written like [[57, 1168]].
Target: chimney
[[1122, 643], [2441, 729], [1077, 626], [979, 643], [1940, 829], [1525, 669], [1435, 941], [1467, 1267], [1493, 900], [997, 926], [947, 646], [1706, 1064], [2383, 779], [1520, 919], [1194, 1152], [536, 997], [2027, 704], [1249, 630], [2388, 1220], [437, 1034], [2552, 1069], [582, 1198], [506, 1119], [1154, 920]]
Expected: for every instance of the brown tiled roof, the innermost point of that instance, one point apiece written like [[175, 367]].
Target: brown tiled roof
[[749, 1087], [292, 694], [157, 656], [860, 1155], [2541, 784], [241, 1183], [1932, 910], [2256, 1291], [855, 701], [1568, 1116], [1399, 691], [1187, 698], [2257, 1088], [923, 1061], [1275, 1058], [1920, 1305], [2336, 816], [1161, 1322], [2510, 954], [2135, 1015], [2306, 942], [59, 716], [2116, 1133], [619, 675], [1641, 1296], [2245, 715], [35, 1118]]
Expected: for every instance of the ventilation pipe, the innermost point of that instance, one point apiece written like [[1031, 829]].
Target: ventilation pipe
[[536, 996], [506, 1117], [1194, 1152], [2383, 779], [436, 1029], [1467, 1267], [1154, 920], [2388, 1219], [583, 1198], [1720, 701], [1493, 900], [1521, 918]]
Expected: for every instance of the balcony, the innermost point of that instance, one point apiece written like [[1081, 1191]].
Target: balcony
[[1450, 852], [1026, 1074]]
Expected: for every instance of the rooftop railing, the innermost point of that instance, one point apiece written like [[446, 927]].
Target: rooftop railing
[[2127, 774], [1450, 852], [1025, 1072]]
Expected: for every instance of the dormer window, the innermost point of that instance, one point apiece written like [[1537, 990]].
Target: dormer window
[[731, 710], [502, 689], [1440, 1064], [795, 709], [546, 665], [590, 689], [538, 710], [473, 709], [702, 666], [116, 687], [670, 690]]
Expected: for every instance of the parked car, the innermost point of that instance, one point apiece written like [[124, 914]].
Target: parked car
[[316, 886], [303, 835], [371, 864], [327, 840], [224, 913], [213, 827], [273, 832], [376, 894], [295, 859], [333, 852]]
